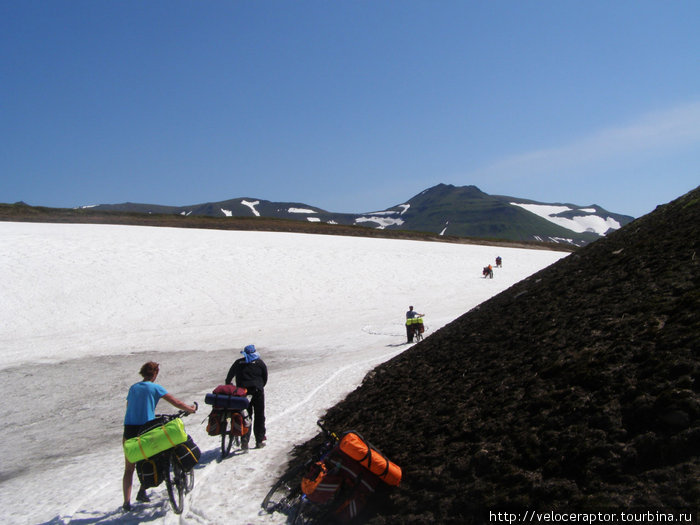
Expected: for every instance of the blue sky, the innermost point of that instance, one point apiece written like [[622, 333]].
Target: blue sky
[[351, 106]]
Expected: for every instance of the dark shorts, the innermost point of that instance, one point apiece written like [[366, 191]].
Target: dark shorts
[[131, 431]]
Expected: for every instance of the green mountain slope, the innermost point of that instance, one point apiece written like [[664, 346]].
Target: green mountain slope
[[460, 211]]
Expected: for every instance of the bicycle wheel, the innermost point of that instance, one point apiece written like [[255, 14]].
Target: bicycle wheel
[[226, 437], [285, 495], [189, 476], [300, 515], [309, 513], [176, 483]]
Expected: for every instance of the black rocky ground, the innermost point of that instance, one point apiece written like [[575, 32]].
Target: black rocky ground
[[574, 390]]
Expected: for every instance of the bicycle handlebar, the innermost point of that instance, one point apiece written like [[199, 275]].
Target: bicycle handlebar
[[180, 413], [330, 434]]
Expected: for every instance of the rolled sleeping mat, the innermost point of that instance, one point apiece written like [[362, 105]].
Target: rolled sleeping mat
[[225, 401]]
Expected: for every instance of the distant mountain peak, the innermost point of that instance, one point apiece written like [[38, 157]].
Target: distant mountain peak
[[443, 209]]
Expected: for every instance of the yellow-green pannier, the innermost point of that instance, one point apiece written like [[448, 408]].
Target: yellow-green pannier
[[156, 440]]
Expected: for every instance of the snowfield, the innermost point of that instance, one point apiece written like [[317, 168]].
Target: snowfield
[[83, 306], [579, 223]]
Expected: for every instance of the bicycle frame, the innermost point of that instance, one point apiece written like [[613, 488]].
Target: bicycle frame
[[286, 495], [177, 481], [227, 438]]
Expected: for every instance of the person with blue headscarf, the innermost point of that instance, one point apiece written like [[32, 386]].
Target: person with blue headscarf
[[250, 372]]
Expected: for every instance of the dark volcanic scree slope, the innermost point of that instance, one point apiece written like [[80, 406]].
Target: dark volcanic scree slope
[[574, 390]]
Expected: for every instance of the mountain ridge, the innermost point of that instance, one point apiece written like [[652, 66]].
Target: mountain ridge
[[444, 209]]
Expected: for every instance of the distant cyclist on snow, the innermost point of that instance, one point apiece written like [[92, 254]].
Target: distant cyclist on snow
[[410, 324], [250, 373]]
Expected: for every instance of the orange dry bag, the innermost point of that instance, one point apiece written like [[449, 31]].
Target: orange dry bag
[[361, 451]]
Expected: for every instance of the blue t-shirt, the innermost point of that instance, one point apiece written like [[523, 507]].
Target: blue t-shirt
[[141, 402]]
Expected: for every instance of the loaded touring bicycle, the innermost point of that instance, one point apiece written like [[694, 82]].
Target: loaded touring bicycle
[[163, 451]]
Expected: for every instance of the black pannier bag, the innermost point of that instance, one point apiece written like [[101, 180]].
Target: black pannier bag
[[151, 471], [188, 454]]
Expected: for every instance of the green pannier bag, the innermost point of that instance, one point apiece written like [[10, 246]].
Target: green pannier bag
[[154, 441]]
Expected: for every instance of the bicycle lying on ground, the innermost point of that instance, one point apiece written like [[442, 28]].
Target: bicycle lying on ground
[[335, 483], [286, 496]]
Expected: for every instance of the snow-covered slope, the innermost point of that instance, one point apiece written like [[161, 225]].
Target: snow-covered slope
[[582, 219], [83, 306]]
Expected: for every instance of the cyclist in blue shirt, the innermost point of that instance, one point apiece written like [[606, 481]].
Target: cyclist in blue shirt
[[141, 404]]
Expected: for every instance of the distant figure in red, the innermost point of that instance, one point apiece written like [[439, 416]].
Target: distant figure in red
[[488, 272], [499, 262]]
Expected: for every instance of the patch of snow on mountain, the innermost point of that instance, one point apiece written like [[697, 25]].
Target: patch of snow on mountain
[[300, 210], [578, 224], [228, 213], [562, 240], [313, 219], [404, 207], [382, 222], [252, 206], [543, 210], [556, 240]]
